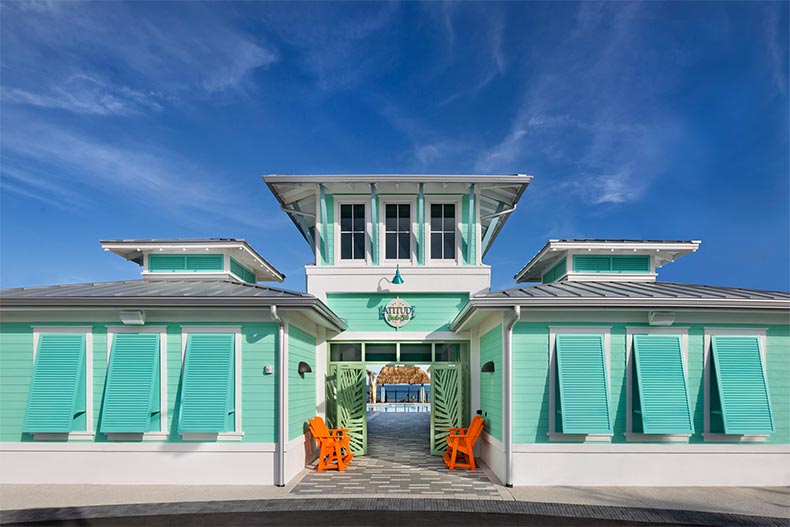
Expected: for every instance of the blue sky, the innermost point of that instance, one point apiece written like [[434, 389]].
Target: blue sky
[[637, 120]]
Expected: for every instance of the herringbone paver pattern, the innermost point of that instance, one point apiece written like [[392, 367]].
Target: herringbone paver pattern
[[398, 464]]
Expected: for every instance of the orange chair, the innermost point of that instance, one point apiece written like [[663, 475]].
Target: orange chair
[[334, 450], [460, 445]]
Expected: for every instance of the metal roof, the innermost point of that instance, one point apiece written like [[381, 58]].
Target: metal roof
[[169, 293], [626, 295], [498, 195], [133, 250], [664, 251]]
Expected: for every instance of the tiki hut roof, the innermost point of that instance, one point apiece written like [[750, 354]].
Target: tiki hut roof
[[402, 375]]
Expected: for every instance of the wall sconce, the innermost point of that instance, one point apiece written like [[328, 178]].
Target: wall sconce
[[488, 367], [304, 368], [397, 279]]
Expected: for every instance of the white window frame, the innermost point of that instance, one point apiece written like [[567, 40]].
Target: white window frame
[[89, 433], [630, 331], [237, 434], [338, 250], [162, 433], [709, 332], [606, 331], [382, 229], [429, 259]]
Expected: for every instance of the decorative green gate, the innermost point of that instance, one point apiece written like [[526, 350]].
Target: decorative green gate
[[447, 402], [346, 397]]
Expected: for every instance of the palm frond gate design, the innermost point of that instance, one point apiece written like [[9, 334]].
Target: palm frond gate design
[[447, 402], [347, 403]]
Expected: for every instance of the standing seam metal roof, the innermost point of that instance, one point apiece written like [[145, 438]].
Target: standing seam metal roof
[[152, 288]]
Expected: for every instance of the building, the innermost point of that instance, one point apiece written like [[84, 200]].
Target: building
[[599, 374]]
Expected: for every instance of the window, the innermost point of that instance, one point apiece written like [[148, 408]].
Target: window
[[397, 226], [443, 227], [657, 397], [579, 384], [352, 232], [737, 400], [211, 384], [60, 400], [135, 392]]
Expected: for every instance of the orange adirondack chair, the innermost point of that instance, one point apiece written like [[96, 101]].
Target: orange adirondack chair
[[460, 445], [334, 450]]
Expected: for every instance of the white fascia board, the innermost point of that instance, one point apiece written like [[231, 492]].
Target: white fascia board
[[398, 178]]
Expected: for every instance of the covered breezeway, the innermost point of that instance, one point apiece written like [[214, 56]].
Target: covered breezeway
[[399, 463]]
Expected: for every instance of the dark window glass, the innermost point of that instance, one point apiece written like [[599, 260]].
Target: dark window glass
[[448, 353], [449, 217], [345, 246], [380, 353], [449, 245], [403, 245], [391, 215], [352, 232], [436, 245], [415, 352], [346, 352], [443, 231], [436, 217], [391, 244]]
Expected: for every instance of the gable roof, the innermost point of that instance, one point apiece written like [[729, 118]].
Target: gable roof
[[169, 293]]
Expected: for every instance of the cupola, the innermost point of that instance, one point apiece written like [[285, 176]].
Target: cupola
[[587, 260], [196, 259]]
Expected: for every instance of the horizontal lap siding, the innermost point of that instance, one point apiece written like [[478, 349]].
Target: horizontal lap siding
[[433, 312], [301, 389], [259, 391], [531, 379], [491, 382]]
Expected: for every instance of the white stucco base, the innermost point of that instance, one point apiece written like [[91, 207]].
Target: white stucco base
[[492, 452], [651, 465], [299, 453], [138, 463]]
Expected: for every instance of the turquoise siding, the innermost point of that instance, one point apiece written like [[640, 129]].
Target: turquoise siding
[[242, 272], [259, 391], [594, 263], [556, 272], [327, 246], [531, 376], [433, 311], [185, 263], [491, 383], [301, 388]]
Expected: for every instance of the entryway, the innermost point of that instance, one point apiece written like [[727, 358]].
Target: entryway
[[398, 463]]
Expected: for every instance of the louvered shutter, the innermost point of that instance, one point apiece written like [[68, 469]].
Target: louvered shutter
[[663, 392], [58, 375], [583, 385], [207, 391], [743, 389], [129, 397], [583, 263]]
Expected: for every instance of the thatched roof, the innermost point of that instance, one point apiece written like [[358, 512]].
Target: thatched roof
[[402, 375]]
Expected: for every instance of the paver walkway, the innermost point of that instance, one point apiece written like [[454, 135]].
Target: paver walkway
[[399, 463]]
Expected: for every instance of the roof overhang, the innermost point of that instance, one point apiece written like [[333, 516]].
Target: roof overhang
[[662, 250], [498, 195], [312, 307], [480, 307], [133, 250]]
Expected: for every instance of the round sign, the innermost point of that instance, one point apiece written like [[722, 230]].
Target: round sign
[[397, 313]]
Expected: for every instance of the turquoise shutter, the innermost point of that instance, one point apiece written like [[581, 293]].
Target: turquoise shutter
[[205, 262], [583, 385], [132, 378], [591, 263], [663, 393], [207, 392], [58, 379], [631, 264], [742, 386], [163, 263]]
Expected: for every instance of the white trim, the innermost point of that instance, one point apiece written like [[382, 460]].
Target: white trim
[[148, 446], [237, 358], [89, 433], [642, 448], [71, 436], [429, 260], [219, 436], [709, 332], [630, 331], [162, 330], [606, 331], [382, 229], [351, 200], [398, 336], [493, 441]]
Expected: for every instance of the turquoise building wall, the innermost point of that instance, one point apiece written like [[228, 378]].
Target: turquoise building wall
[[491, 382], [301, 388], [259, 392], [531, 378], [433, 311]]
